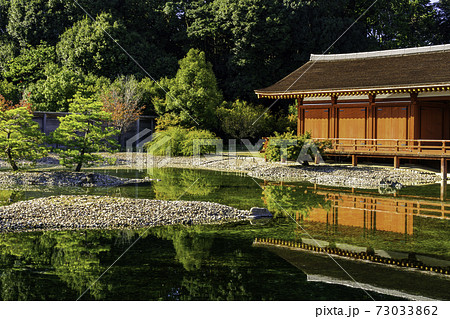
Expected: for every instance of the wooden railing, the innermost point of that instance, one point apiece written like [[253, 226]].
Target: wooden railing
[[394, 147], [423, 208]]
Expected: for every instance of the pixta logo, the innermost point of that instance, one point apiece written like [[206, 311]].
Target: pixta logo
[[159, 153]]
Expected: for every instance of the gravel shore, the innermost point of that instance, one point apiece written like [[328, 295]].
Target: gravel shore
[[64, 178], [365, 177], [102, 212], [345, 176]]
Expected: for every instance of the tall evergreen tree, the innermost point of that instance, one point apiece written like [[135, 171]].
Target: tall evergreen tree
[[193, 93]]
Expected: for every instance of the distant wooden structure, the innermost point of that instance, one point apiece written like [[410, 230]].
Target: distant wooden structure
[[49, 122], [388, 104]]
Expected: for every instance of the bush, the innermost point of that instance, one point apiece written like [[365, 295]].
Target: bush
[[242, 120], [180, 141], [273, 150], [194, 136], [166, 121], [286, 124]]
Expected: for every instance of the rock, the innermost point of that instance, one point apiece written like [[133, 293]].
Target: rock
[[256, 212]]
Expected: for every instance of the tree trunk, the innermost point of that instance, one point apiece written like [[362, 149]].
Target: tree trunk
[[80, 163], [11, 161]]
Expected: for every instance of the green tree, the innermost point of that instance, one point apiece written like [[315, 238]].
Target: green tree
[[83, 132], [33, 21], [8, 50], [243, 120], [30, 65], [402, 23], [150, 90], [20, 137], [87, 47], [444, 20], [10, 91], [53, 92], [193, 94]]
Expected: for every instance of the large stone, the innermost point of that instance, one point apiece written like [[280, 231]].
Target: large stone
[[257, 212]]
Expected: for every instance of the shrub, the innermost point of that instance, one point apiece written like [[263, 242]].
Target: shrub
[[242, 120], [193, 137], [180, 141], [172, 138], [166, 121], [273, 150], [286, 124]]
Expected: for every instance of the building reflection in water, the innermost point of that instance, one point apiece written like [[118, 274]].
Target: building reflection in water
[[367, 210], [403, 227]]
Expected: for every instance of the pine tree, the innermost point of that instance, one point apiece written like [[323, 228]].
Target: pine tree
[[83, 133], [20, 137]]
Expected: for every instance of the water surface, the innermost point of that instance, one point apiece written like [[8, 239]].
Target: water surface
[[221, 262]]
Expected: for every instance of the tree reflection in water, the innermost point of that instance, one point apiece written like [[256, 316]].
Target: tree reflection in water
[[282, 200], [174, 183]]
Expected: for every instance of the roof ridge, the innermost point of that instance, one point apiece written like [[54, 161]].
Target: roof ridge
[[378, 54]]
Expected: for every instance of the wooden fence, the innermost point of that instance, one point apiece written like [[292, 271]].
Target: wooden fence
[[49, 122]]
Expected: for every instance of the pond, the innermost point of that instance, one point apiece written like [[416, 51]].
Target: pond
[[223, 262]]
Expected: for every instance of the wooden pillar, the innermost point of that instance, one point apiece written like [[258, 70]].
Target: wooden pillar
[[444, 168], [354, 160], [300, 117], [414, 118], [396, 162], [443, 191], [333, 127], [371, 118]]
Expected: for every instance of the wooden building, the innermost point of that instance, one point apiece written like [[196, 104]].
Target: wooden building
[[389, 104]]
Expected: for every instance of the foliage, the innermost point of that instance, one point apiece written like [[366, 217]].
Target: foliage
[[178, 141], [286, 124], [32, 21], [444, 21], [166, 121], [283, 200], [294, 146], [402, 23], [193, 93], [196, 138], [149, 91], [189, 182], [122, 102], [54, 92], [244, 120], [29, 66], [250, 43], [8, 50], [87, 47], [83, 132], [9, 91], [20, 137]]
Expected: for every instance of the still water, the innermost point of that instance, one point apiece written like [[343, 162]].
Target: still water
[[221, 262]]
